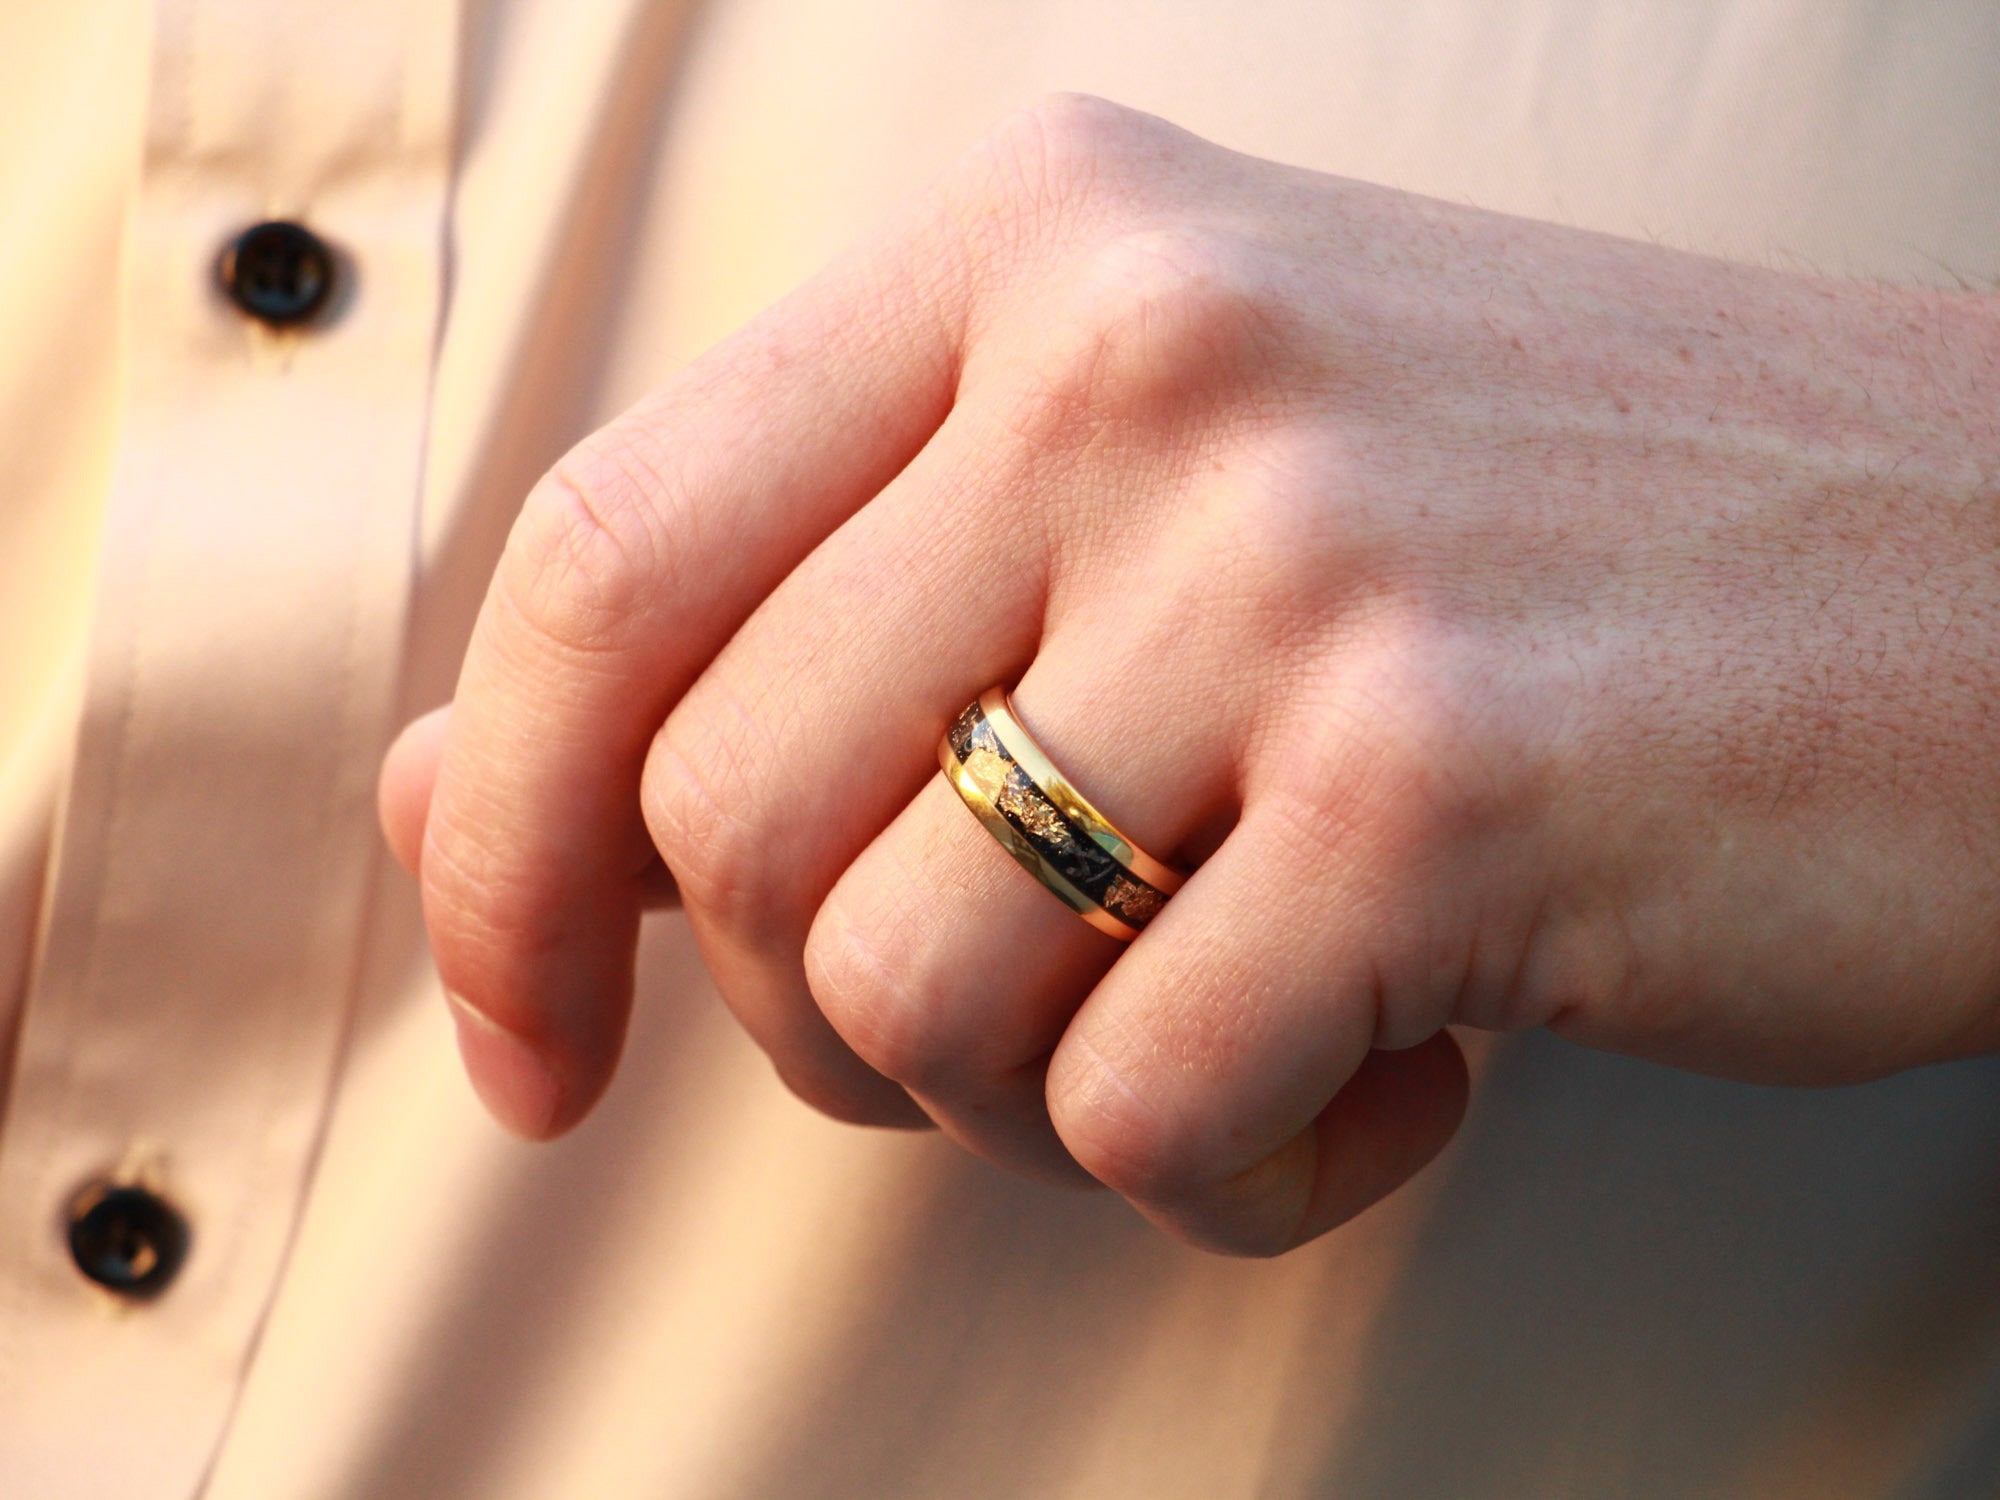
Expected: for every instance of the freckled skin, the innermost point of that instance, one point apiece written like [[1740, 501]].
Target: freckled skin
[[1517, 626]]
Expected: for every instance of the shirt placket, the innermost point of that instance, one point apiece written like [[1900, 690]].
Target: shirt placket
[[285, 264]]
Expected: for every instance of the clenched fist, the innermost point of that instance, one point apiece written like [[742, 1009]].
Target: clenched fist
[[1507, 625]]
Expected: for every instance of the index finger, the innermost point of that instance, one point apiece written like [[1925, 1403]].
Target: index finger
[[630, 566]]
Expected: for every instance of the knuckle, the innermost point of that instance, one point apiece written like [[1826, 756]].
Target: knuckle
[[1393, 751], [1177, 1164], [1259, 547], [1282, 519], [863, 988], [1067, 133], [1130, 1143], [1387, 809], [1039, 169], [1165, 323], [1047, 149], [1134, 1162], [694, 800], [591, 551]]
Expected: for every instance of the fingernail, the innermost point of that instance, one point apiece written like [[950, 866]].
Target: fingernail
[[517, 1087]]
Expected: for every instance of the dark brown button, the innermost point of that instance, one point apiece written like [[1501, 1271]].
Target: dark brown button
[[278, 272], [126, 1239]]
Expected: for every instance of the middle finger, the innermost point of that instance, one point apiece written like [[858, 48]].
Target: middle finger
[[818, 720]]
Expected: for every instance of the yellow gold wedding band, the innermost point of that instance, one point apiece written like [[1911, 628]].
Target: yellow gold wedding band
[[1040, 818]]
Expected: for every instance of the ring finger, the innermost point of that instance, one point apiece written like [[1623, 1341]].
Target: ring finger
[[950, 967], [818, 720]]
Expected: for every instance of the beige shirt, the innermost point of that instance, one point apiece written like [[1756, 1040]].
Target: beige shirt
[[232, 561]]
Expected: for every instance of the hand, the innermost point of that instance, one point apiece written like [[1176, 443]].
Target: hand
[[1516, 627]]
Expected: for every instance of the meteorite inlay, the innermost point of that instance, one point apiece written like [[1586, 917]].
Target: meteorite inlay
[[1044, 828]]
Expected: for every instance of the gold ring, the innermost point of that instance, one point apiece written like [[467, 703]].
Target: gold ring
[[1047, 824]]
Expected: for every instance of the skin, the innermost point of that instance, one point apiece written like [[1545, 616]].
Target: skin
[[1513, 626]]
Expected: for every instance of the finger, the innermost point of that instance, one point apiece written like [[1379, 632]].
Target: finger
[[403, 800], [1221, 1076], [953, 969], [945, 964], [949, 968], [820, 719], [403, 790], [630, 566], [1400, 1108]]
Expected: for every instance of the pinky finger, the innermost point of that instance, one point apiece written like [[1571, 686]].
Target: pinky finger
[[1387, 1122], [1398, 1111], [1224, 1081]]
